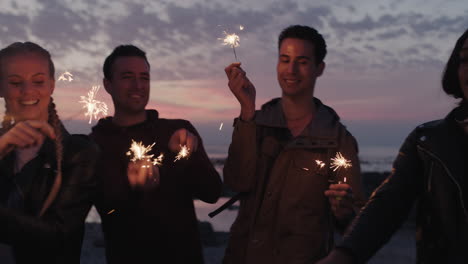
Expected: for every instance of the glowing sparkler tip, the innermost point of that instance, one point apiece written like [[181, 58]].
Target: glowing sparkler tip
[[66, 76], [339, 162], [241, 27], [183, 153], [158, 161], [231, 39], [138, 151], [320, 163], [93, 107]]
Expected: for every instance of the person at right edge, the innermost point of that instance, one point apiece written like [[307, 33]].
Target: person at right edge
[[279, 159], [431, 170]]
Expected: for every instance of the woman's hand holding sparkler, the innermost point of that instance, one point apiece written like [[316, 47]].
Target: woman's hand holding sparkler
[[341, 200], [242, 89], [143, 174], [25, 134], [183, 142]]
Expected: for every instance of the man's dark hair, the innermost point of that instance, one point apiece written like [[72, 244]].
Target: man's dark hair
[[450, 81], [121, 51], [309, 34]]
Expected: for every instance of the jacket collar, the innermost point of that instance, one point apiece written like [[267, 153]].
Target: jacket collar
[[324, 125], [444, 138]]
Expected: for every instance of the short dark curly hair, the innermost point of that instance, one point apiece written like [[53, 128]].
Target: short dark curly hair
[[309, 34], [450, 81], [121, 51]]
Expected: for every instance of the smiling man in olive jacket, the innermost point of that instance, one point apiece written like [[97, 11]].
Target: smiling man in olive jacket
[[291, 202]]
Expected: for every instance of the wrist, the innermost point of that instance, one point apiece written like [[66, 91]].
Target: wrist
[[247, 113]]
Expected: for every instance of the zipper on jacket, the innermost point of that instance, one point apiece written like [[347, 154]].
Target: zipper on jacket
[[460, 192]]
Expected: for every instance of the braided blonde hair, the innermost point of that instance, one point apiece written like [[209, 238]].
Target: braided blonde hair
[[54, 121], [53, 118]]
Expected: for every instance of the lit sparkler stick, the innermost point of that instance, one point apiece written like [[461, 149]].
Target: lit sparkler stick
[[232, 40], [66, 76], [138, 151], [339, 162], [221, 126], [183, 153], [93, 107]]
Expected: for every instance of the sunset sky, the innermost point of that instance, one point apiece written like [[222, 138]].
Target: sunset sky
[[384, 62]]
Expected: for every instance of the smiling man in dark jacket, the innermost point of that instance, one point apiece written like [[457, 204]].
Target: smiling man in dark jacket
[[147, 211]]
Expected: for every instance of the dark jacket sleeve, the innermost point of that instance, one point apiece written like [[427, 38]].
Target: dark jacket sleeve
[[200, 175], [389, 205], [240, 167], [61, 227]]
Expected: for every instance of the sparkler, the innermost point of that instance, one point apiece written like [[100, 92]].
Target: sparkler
[[93, 107], [66, 76], [339, 162], [221, 126], [320, 164], [183, 153], [241, 27], [232, 40], [138, 151]]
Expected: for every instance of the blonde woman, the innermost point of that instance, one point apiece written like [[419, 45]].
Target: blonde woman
[[46, 174]]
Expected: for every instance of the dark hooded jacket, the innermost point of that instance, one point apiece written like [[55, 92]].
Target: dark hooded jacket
[[56, 236], [157, 225], [284, 216], [431, 172]]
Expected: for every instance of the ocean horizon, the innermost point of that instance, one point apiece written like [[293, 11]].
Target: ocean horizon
[[372, 158]]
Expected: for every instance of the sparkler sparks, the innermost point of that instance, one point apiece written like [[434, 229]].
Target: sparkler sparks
[[138, 151], [93, 107], [183, 153], [320, 164], [66, 76], [339, 162], [232, 40], [241, 27]]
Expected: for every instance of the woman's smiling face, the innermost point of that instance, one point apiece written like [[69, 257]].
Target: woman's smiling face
[[26, 85]]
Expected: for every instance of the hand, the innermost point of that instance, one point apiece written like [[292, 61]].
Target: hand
[[242, 89], [25, 134], [182, 137], [142, 174], [341, 200]]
